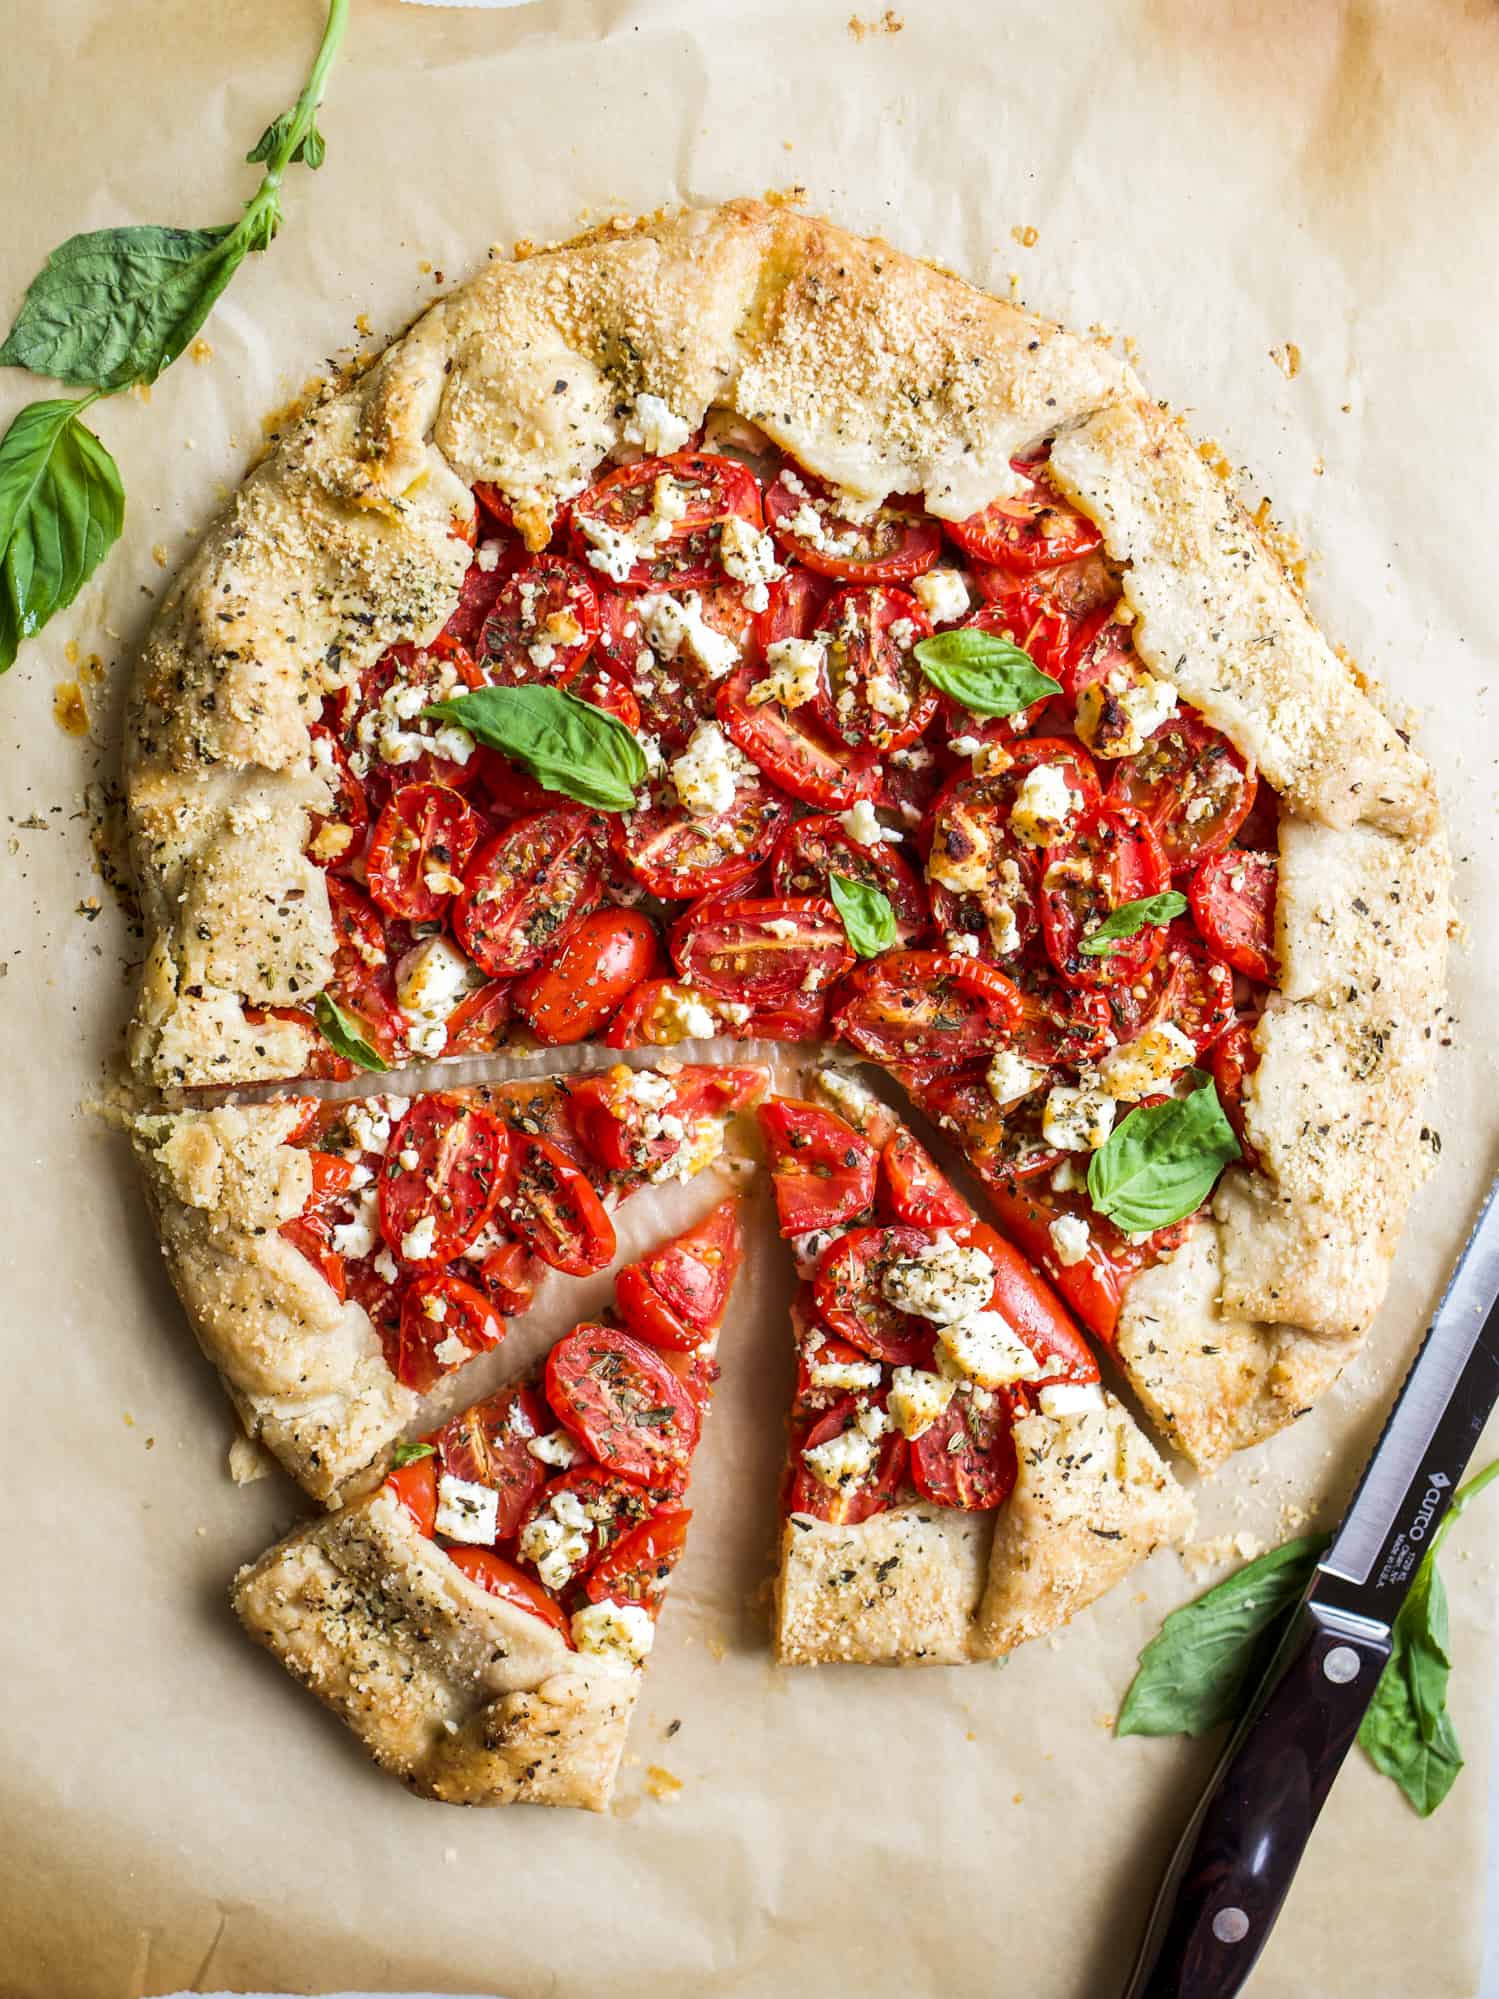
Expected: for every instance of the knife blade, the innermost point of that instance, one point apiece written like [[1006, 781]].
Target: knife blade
[[1234, 1864]]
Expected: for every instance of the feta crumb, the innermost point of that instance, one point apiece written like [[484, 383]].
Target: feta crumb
[[684, 1016], [844, 1460], [1142, 1065], [1071, 1238], [1043, 805], [557, 1447], [431, 978], [1071, 1398], [985, 1348], [620, 1632], [706, 775], [749, 556], [1010, 1077], [960, 944], [851, 1375], [942, 594], [673, 624], [916, 1399], [487, 555], [417, 1242], [656, 427], [467, 1511], [945, 1281], [649, 1088], [450, 1352], [1077, 1120], [795, 671], [358, 1236], [862, 824], [1115, 717], [808, 1250], [556, 1539]]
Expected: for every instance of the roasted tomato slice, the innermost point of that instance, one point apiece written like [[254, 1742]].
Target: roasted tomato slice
[[1030, 1305], [788, 746], [1187, 986], [1233, 905], [632, 1121], [1000, 1141], [1109, 858], [1193, 787], [927, 1008], [855, 1497], [851, 1300], [497, 1577], [553, 1206], [620, 1397], [761, 950], [1093, 1287], [335, 838], [875, 698], [1047, 612], [894, 544], [653, 646], [359, 954], [1036, 529], [421, 845], [440, 1180], [1062, 1024], [414, 1487], [919, 1192], [812, 850], [1105, 645], [524, 889], [387, 729], [543, 623], [612, 1505], [676, 853], [827, 1369], [638, 1568], [692, 1276], [487, 1445], [822, 1170], [967, 1457], [656, 524], [1235, 1057], [794, 607], [313, 1236], [479, 1024], [575, 993], [438, 1308]]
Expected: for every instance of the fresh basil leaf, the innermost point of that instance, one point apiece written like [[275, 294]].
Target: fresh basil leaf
[[868, 919], [310, 149], [566, 744], [408, 1454], [983, 672], [1162, 1161], [116, 306], [341, 1031], [1390, 1736], [1130, 918], [1203, 1662], [61, 510]]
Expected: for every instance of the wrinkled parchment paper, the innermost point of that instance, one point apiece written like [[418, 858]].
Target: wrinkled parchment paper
[[1292, 209]]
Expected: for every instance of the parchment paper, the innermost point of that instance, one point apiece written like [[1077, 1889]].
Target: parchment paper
[[1218, 181]]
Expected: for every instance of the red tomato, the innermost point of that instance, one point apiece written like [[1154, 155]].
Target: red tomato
[[438, 672], [1193, 787], [571, 996], [967, 1457], [679, 1291], [875, 697], [1092, 1288], [478, 590], [787, 745], [620, 1397], [648, 1316], [999, 1142], [525, 889], [811, 850], [859, 1500], [638, 1569], [822, 1170], [761, 950], [687, 553], [1198, 996], [895, 544], [1048, 611], [359, 953], [673, 853], [928, 1008], [1234, 1058], [794, 609], [611, 1121], [615, 1506], [1035, 530], [313, 1236], [827, 1351], [422, 841], [1109, 858], [553, 1206], [1062, 1024], [497, 1577], [851, 1300], [1032, 1308], [486, 1445], [437, 1307], [335, 837], [543, 623], [918, 1192], [478, 1025], [414, 1487], [671, 686], [460, 1160], [1104, 645], [331, 1176], [1233, 905], [652, 1016]]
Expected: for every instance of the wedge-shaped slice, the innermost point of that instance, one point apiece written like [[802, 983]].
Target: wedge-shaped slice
[[336, 1258], [481, 1620], [958, 1479]]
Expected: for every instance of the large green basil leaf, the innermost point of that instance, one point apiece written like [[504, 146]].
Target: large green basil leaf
[[984, 672], [1162, 1161], [61, 509], [566, 744], [1130, 918]]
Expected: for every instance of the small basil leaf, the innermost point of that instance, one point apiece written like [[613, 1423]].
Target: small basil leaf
[[61, 509], [1162, 1161], [1390, 1736], [983, 672], [341, 1031], [409, 1454], [868, 919], [566, 744], [310, 149], [115, 306], [1130, 918], [1198, 1669]]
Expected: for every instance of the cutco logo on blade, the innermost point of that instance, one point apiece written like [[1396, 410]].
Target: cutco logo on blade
[[1437, 1484]]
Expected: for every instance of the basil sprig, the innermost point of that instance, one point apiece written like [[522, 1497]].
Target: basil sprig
[[566, 744], [982, 671], [341, 1031], [409, 1454], [1130, 918], [1162, 1161], [109, 309], [868, 919]]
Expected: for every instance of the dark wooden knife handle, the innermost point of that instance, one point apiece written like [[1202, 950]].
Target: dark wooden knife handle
[[1236, 1859]]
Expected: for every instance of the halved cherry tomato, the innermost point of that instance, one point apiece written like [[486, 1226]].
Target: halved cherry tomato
[[571, 996], [478, 1024], [794, 607], [1235, 1057], [761, 950], [1035, 530], [1047, 612], [620, 1397], [1199, 995], [679, 1292], [823, 1351], [497, 1577], [595, 684], [543, 623], [1233, 905], [999, 1141], [649, 657], [487, 1445], [553, 1206], [454, 1181], [1110, 857], [1059, 1023], [637, 1570], [1092, 1288], [647, 1314], [788, 746], [335, 837], [359, 953], [511, 1272], [851, 1301], [414, 1487], [435, 1308], [331, 1177], [709, 489], [1193, 787], [967, 1457], [652, 1016], [919, 1192], [525, 889], [422, 842], [811, 850], [614, 1124], [859, 1500], [674, 853], [895, 544], [313, 1235], [1105, 645], [822, 1170], [875, 697], [418, 676], [1029, 1304], [480, 587], [615, 1507], [928, 1008]]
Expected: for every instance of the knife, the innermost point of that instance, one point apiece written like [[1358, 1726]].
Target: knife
[[1235, 1861]]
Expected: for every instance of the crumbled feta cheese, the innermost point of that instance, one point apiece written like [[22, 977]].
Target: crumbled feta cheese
[[1071, 1398], [418, 1241], [873, 1422], [467, 1511], [556, 1539], [783, 927], [1069, 1176], [557, 1448], [1141, 1066], [749, 556], [706, 775], [960, 944], [383, 730], [853, 1098], [656, 427], [683, 1016], [964, 874], [612, 553], [432, 977], [1077, 1120], [385, 1267], [369, 1127], [795, 670], [672, 623], [409, 1158], [1004, 931], [842, 1460], [649, 1088], [620, 1632], [942, 594], [1115, 718], [851, 1375], [985, 1348], [944, 1281], [885, 694], [966, 746], [1071, 1238], [487, 555], [1010, 1077], [450, 1352], [808, 1250], [357, 1237], [917, 1398], [1043, 805], [862, 824], [806, 524]]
